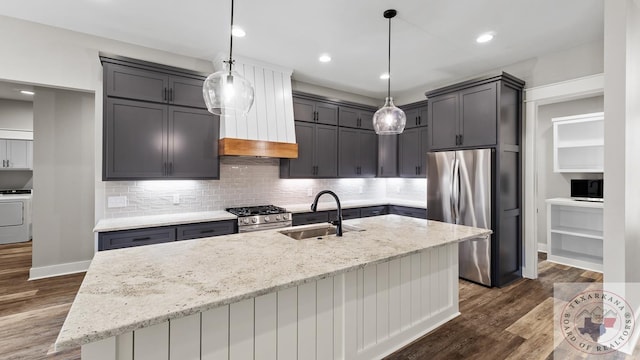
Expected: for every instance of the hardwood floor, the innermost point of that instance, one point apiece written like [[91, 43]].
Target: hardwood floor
[[515, 322], [32, 312]]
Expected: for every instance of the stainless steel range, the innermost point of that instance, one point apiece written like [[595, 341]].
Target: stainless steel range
[[264, 217]]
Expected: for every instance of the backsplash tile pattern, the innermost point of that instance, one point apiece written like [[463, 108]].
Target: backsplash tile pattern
[[248, 181]]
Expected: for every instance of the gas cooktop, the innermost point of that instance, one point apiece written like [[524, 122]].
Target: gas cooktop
[[256, 210]]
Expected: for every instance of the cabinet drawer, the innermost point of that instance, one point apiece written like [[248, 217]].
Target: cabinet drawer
[[310, 218], [215, 228], [128, 238], [409, 211], [373, 211], [346, 214]]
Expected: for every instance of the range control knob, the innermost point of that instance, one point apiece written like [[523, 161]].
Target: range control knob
[[285, 216], [254, 220], [246, 221], [277, 217], [266, 219]]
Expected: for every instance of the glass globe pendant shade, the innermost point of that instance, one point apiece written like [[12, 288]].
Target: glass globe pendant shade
[[389, 119], [227, 93]]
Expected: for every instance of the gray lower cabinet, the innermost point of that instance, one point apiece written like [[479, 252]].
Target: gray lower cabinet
[[412, 152], [129, 238], [317, 152], [387, 155], [200, 230], [374, 211], [310, 218], [346, 214], [358, 153], [154, 84], [408, 211], [143, 140]]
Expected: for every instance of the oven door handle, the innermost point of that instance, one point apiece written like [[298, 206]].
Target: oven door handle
[[259, 227]]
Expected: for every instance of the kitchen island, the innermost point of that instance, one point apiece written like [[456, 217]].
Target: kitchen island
[[264, 295]]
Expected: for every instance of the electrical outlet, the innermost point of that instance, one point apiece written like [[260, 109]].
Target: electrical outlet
[[309, 192], [116, 202], [176, 199]]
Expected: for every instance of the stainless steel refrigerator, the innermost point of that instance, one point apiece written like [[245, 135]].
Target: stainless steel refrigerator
[[459, 192]]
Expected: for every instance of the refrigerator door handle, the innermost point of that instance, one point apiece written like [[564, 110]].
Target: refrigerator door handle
[[455, 194]]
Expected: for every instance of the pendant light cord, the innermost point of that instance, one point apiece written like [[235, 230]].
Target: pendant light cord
[[231, 40], [388, 62]]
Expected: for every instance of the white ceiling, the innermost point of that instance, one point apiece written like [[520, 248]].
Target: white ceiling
[[432, 41]]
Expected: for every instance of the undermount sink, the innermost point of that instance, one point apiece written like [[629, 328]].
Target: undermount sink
[[318, 232]]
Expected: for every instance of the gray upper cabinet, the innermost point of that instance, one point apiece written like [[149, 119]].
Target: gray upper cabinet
[[387, 155], [412, 154], [135, 83], [416, 115], [465, 118], [154, 127], [315, 111], [193, 138], [356, 118], [317, 152], [135, 140], [153, 141], [358, 153]]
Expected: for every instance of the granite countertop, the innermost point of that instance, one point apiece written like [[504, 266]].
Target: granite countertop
[[137, 222], [131, 288]]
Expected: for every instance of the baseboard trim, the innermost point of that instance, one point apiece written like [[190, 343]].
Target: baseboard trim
[[43, 272], [542, 247]]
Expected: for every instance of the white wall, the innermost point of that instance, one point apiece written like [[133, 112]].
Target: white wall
[[16, 115], [581, 60], [63, 157], [550, 184]]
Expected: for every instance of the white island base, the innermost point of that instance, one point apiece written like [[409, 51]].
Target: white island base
[[362, 314]]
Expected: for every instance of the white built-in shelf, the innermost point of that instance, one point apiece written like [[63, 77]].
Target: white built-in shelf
[[574, 233], [578, 143]]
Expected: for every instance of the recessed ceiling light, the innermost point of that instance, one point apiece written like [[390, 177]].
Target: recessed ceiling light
[[238, 31], [26, 92], [483, 38], [384, 76], [324, 58]]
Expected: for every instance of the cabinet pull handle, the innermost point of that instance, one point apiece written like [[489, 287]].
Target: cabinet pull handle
[[461, 141], [3, 162], [142, 238], [164, 94], [207, 231], [419, 120]]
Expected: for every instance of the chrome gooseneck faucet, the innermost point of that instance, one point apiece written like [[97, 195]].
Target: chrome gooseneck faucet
[[338, 221]]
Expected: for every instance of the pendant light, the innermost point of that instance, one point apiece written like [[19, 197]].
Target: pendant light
[[226, 92], [389, 119]]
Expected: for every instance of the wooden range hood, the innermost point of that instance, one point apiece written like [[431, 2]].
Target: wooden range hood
[[243, 147]]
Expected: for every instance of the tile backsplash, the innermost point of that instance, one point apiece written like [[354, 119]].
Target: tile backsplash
[[244, 182]]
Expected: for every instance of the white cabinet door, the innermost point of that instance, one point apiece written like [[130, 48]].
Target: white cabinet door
[[18, 154]]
